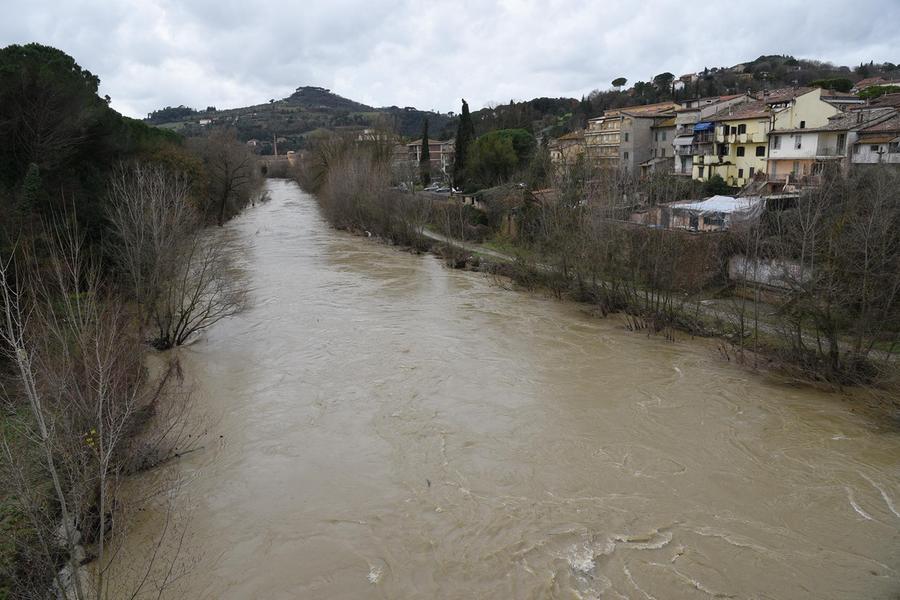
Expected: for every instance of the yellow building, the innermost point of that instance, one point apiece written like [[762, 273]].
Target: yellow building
[[738, 149], [567, 149]]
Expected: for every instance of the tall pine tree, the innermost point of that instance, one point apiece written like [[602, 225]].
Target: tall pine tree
[[425, 157], [465, 134]]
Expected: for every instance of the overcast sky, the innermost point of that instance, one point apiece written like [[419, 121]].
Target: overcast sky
[[429, 54]]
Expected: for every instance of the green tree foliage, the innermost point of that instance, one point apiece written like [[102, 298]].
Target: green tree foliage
[[495, 156], [663, 82], [716, 186], [840, 84], [425, 157], [619, 82], [465, 134], [56, 129], [878, 90]]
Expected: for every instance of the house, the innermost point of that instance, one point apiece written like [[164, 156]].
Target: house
[[567, 149], [799, 156], [662, 152], [742, 132], [620, 139], [878, 142], [440, 154], [694, 114]]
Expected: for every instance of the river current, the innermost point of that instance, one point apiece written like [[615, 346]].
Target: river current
[[380, 426]]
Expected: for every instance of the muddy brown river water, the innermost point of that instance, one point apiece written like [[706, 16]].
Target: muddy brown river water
[[395, 429]]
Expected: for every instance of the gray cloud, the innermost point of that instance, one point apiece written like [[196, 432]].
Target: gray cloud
[[152, 53]]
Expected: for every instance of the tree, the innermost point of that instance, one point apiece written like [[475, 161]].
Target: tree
[[618, 82], [425, 157], [178, 278], [81, 377], [465, 134], [231, 169], [716, 186], [663, 82]]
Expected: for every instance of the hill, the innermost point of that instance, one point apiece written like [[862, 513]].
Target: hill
[[291, 120]]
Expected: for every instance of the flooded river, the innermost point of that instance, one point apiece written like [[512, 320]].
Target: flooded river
[[391, 428]]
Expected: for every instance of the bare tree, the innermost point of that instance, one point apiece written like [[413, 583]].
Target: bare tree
[[231, 168], [180, 278], [80, 372]]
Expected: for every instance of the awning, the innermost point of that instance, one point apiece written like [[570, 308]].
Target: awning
[[683, 140], [703, 126]]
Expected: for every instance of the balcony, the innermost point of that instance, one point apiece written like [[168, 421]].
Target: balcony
[[831, 152]]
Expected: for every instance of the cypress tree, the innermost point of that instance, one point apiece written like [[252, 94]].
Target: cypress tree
[[425, 157], [465, 134]]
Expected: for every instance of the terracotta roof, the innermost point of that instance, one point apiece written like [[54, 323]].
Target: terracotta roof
[[759, 108], [845, 121], [641, 110], [573, 135], [868, 81], [749, 110], [888, 125], [886, 100], [876, 139]]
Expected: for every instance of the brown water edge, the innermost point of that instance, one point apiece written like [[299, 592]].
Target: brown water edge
[[391, 428]]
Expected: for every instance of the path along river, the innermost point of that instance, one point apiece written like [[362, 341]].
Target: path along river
[[391, 428]]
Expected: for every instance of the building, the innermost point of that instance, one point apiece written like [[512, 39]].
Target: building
[[694, 114], [878, 142], [742, 133], [621, 138], [799, 156], [440, 154], [567, 149], [662, 152]]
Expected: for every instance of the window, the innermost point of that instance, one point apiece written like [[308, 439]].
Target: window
[[663, 152], [626, 136], [664, 136], [740, 173], [700, 171], [752, 172], [855, 148], [723, 150], [776, 142], [625, 156], [802, 124], [841, 142], [717, 220], [724, 129], [742, 128], [798, 142], [874, 148], [734, 130], [740, 150], [760, 150], [894, 147]]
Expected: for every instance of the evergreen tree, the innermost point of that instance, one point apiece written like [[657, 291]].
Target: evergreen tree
[[425, 157], [465, 134]]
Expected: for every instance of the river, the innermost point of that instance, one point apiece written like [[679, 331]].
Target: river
[[380, 426]]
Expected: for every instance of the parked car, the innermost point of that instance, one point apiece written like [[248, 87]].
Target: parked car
[[433, 187]]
